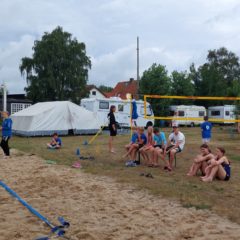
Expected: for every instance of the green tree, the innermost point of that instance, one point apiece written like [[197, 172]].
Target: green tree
[[219, 76], [58, 69], [104, 88], [155, 81], [182, 85]]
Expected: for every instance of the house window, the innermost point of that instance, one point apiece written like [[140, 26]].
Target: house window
[[201, 113], [181, 113], [94, 93], [215, 113], [16, 107], [103, 105], [120, 108]]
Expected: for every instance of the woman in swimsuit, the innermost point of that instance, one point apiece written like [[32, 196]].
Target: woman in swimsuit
[[218, 167]]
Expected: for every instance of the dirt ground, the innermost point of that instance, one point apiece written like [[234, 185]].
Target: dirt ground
[[96, 207]]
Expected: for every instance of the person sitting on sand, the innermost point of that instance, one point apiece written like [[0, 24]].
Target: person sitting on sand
[[159, 147], [138, 140], [147, 150], [175, 145], [218, 167], [55, 143], [200, 161]]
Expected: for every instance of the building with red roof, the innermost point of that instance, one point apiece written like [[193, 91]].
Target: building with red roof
[[124, 88]]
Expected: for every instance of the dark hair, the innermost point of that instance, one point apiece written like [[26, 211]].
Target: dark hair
[[222, 150], [55, 134], [156, 130], [205, 118], [112, 107], [205, 146], [149, 124]]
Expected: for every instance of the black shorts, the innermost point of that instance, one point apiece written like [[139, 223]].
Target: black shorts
[[113, 132], [158, 146], [140, 146]]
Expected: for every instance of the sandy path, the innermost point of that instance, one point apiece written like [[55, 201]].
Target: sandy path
[[97, 207]]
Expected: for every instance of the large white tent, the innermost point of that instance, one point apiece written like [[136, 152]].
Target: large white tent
[[62, 117]]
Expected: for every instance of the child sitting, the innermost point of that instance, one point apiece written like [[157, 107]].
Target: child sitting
[[55, 143], [137, 141]]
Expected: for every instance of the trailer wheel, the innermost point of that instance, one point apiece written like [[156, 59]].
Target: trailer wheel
[[192, 124]]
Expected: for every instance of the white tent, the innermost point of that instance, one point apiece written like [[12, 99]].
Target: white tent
[[62, 117]]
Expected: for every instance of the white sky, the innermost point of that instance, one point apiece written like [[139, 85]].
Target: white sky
[[172, 32]]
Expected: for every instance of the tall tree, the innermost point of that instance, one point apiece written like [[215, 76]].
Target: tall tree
[[182, 85], [155, 81], [219, 76], [58, 69]]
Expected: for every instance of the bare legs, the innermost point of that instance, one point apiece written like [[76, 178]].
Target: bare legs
[[110, 144], [212, 171]]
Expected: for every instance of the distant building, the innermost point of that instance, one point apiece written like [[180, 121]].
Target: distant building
[[95, 92], [124, 88], [15, 102]]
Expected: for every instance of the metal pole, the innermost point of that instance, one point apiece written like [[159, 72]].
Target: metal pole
[[4, 98], [138, 78]]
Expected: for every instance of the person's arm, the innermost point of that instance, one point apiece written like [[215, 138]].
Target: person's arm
[[203, 158]]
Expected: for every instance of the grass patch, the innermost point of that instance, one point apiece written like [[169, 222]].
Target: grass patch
[[219, 196]]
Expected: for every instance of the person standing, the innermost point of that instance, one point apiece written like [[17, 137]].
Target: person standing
[[112, 128], [6, 133], [206, 130]]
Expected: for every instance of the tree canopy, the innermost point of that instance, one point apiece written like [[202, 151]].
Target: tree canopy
[[155, 81], [58, 69]]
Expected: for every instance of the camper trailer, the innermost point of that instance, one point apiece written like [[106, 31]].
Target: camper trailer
[[185, 111], [123, 108], [226, 112]]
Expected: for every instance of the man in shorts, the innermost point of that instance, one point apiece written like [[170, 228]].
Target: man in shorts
[[176, 142]]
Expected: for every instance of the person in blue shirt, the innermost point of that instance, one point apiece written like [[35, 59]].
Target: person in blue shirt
[[206, 130], [6, 133], [138, 140], [55, 143], [160, 144]]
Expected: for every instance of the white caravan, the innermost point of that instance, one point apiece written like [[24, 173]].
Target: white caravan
[[123, 108], [226, 112], [185, 111]]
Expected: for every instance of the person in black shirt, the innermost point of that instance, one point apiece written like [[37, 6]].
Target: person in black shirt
[[112, 127]]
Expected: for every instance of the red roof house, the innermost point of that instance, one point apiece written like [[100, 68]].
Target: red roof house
[[122, 88]]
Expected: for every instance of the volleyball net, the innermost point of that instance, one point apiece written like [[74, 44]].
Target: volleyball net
[[155, 101]]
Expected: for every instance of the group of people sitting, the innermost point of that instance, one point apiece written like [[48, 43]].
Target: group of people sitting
[[154, 145], [211, 165]]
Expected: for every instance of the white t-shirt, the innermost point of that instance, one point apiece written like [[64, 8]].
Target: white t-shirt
[[179, 138]]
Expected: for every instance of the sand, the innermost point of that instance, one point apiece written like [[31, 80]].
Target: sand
[[97, 207]]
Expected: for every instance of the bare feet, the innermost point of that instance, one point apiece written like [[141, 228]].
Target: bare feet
[[206, 179]]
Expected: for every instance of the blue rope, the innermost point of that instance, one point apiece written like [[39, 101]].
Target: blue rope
[[25, 204]]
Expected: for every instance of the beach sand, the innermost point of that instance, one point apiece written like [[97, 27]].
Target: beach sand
[[97, 208]]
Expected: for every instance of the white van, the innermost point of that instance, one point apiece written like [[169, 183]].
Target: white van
[[185, 111], [226, 112], [123, 108]]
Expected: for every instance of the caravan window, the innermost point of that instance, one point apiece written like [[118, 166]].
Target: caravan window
[[120, 108], [227, 113], [148, 109], [103, 105], [181, 113], [215, 113], [201, 113]]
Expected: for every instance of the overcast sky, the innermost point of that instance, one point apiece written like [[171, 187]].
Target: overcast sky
[[172, 32]]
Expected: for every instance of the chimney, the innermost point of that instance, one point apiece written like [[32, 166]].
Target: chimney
[[131, 79]]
